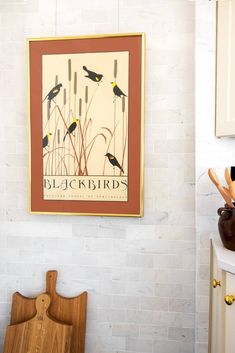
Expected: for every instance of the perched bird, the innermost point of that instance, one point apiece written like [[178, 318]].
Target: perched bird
[[117, 91], [93, 75], [53, 93], [71, 127], [46, 139], [113, 160]]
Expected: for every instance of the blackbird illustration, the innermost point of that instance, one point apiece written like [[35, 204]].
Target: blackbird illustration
[[93, 75], [117, 91], [71, 127], [46, 139], [53, 93], [113, 160]]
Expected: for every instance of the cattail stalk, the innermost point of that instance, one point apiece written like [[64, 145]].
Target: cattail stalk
[[63, 172], [58, 136], [53, 162], [123, 122], [86, 101], [84, 134], [69, 78], [75, 111], [75, 93], [69, 70], [48, 119], [58, 143], [64, 97], [75, 83], [81, 142], [48, 111], [115, 69]]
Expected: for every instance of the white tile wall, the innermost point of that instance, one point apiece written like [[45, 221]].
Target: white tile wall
[[140, 273]]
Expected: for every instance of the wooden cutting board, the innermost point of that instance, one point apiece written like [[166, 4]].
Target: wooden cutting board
[[68, 310], [40, 334]]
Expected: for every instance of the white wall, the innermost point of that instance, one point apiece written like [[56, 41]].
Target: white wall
[[210, 152], [140, 273]]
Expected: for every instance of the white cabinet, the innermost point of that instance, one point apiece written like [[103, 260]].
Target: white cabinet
[[225, 71], [222, 300]]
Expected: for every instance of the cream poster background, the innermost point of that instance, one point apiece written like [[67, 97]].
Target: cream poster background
[[102, 127]]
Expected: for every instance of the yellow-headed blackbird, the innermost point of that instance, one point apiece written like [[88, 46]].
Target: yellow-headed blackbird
[[93, 75], [53, 93], [46, 139], [71, 127], [113, 161], [117, 91]]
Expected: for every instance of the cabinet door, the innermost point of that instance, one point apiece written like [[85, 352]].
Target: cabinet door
[[216, 337], [225, 80], [229, 310]]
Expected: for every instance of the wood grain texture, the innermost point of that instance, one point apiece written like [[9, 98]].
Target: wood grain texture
[[68, 310], [22, 308], [40, 334]]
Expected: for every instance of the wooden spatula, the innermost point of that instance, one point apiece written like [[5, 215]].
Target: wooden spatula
[[224, 193], [40, 334]]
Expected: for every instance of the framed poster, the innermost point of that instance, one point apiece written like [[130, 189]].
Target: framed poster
[[86, 112]]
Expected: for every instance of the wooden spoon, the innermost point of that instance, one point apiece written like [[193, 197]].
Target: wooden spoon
[[227, 176], [232, 189], [223, 191]]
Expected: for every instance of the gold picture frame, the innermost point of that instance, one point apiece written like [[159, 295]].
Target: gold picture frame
[[41, 52]]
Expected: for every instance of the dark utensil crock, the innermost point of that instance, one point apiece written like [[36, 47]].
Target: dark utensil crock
[[226, 226]]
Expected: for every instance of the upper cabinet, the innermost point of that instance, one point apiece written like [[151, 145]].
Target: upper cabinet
[[225, 73]]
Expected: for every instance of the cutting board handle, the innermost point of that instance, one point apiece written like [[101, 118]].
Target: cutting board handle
[[51, 279], [42, 304]]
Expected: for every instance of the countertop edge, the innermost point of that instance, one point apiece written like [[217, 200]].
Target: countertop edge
[[225, 257]]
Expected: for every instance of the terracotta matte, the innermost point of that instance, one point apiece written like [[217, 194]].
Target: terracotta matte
[[133, 44]]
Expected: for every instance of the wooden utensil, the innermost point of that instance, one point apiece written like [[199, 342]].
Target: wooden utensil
[[40, 334], [227, 198], [227, 176], [227, 191], [69, 310], [232, 189]]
